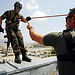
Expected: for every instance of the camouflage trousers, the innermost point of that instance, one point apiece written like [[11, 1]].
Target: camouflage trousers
[[16, 40]]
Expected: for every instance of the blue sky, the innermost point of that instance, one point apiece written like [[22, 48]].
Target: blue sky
[[35, 8]]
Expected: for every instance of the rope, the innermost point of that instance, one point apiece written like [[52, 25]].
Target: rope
[[48, 16], [36, 18], [11, 25]]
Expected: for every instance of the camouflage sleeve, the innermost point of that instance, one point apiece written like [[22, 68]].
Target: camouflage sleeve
[[22, 18], [4, 15]]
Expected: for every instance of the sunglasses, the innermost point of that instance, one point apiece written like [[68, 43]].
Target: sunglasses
[[68, 17]]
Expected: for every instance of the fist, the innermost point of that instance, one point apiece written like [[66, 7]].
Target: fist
[[28, 18]]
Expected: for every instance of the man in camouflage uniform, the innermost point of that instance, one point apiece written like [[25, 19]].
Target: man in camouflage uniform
[[13, 33]]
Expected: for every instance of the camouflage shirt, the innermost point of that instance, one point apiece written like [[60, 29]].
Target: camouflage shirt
[[11, 17]]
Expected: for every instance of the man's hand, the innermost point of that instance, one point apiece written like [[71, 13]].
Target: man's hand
[[29, 25], [28, 18], [1, 29]]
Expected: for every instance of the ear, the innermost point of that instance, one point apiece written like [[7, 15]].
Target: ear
[[73, 19]]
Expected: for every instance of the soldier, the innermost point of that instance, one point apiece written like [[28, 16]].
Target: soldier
[[63, 42], [13, 33]]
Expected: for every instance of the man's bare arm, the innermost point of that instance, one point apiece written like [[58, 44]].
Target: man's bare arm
[[34, 36]]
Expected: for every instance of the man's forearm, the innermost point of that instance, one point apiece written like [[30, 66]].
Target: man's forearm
[[34, 36]]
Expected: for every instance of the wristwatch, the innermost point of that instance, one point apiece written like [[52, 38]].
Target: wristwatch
[[30, 28]]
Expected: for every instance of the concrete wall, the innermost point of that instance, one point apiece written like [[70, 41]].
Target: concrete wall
[[39, 66], [44, 70]]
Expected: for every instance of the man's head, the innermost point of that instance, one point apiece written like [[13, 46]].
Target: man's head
[[70, 19], [17, 7]]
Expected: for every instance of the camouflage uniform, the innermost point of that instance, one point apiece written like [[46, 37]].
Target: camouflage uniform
[[13, 33]]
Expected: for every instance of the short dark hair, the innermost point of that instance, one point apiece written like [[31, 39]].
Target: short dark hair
[[72, 12]]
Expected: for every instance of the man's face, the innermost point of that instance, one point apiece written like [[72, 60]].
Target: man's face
[[17, 9], [68, 22]]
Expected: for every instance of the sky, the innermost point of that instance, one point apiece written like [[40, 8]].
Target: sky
[[34, 8]]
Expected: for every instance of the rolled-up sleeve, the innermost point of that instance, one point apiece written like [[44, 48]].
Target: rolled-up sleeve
[[50, 39], [21, 17]]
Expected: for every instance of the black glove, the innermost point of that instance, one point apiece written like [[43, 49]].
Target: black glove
[[28, 18], [1, 29]]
